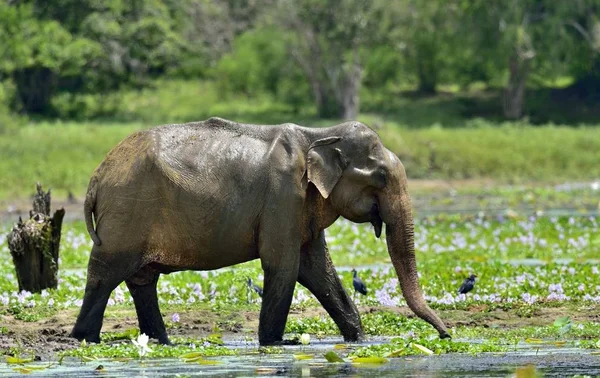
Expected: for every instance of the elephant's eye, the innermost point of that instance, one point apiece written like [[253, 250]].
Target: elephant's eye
[[380, 177]]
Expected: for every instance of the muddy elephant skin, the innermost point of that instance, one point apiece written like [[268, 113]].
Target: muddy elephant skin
[[206, 195]]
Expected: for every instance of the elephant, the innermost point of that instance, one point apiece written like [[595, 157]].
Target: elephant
[[215, 193]]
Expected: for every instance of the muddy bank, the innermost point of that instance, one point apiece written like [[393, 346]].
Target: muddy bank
[[47, 337]]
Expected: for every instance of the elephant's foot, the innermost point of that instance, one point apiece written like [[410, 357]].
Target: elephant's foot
[[280, 342], [267, 342], [445, 335], [83, 335], [354, 336], [164, 340]]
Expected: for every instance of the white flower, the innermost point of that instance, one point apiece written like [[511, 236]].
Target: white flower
[[142, 344], [305, 339]]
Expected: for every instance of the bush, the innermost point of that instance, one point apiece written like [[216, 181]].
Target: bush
[[260, 63]]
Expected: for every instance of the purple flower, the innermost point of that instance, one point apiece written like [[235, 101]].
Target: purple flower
[[175, 318], [528, 298]]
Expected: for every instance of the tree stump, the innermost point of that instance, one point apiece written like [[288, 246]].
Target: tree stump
[[34, 245]]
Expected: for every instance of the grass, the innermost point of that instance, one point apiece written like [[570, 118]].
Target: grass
[[59, 155], [63, 155], [436, 137]]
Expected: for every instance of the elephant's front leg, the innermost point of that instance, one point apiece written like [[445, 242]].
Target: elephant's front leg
[[318, 275], [280, 257]]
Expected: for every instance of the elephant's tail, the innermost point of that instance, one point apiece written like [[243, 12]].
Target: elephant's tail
[[89, 206]]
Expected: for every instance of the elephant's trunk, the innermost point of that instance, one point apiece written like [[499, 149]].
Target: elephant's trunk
[[397, 214]]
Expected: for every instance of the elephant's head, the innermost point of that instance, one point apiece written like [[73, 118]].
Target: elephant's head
[[365, 182]]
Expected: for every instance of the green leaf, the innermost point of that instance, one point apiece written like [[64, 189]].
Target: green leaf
[[302, 356], [531, 340], [193, 359], [562, 321], [189, 355], [370, 360], [394, 353], [422, 348], [215, 338], [331, 356], [17, 360], [22, 370], [208, 362]]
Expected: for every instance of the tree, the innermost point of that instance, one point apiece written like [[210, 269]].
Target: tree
[[34, 52], [325, 40], [520, 38], [584, 47], [83, 46]]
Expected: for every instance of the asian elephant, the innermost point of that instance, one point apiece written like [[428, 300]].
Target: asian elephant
[[206, 195]]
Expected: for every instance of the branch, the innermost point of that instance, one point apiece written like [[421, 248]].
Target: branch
[[581, 31]]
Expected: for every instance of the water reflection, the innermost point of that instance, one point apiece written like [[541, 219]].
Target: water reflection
[[552, 363]]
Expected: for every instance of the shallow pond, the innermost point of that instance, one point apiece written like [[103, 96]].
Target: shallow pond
[[565, 363], [551, 362]]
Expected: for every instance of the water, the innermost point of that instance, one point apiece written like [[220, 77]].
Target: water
[[550, 361], [551, 364]]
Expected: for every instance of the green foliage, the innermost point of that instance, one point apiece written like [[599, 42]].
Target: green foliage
[[255, 64], [117, 351], [61, 58], [73, 150]]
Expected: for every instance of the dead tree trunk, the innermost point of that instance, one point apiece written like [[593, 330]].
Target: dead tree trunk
[[34, 245]]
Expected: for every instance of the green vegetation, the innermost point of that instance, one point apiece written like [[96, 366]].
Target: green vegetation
[[62, 155], [58, 54], [452, 95], [538, 286], [126, 349]]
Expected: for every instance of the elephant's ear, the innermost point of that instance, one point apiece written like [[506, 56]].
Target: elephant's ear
[[325, 164]]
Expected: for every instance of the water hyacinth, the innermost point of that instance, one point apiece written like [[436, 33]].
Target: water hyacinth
[[142, 344], [526, 260]]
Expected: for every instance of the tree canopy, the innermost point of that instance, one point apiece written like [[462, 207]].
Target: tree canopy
[[315, 52]]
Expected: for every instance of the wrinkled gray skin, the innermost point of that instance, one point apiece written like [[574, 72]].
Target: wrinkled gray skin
[[216, 193]]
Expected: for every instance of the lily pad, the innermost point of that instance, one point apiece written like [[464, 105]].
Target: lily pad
[[302, 356], [331, 356], [370, 360], [191, 355], [208, 362], [17, 360]]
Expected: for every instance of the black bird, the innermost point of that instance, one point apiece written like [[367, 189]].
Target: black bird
[[358, 284], [467, 285], [254, 287]]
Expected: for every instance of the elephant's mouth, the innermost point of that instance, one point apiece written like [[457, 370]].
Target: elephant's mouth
[[376, 220]]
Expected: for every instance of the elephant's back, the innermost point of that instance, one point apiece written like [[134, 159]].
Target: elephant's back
[[186, 188], [206, 155]]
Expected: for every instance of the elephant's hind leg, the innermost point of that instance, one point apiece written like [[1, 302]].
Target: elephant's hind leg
[[318, 275], [142, 287], [105, 272]]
